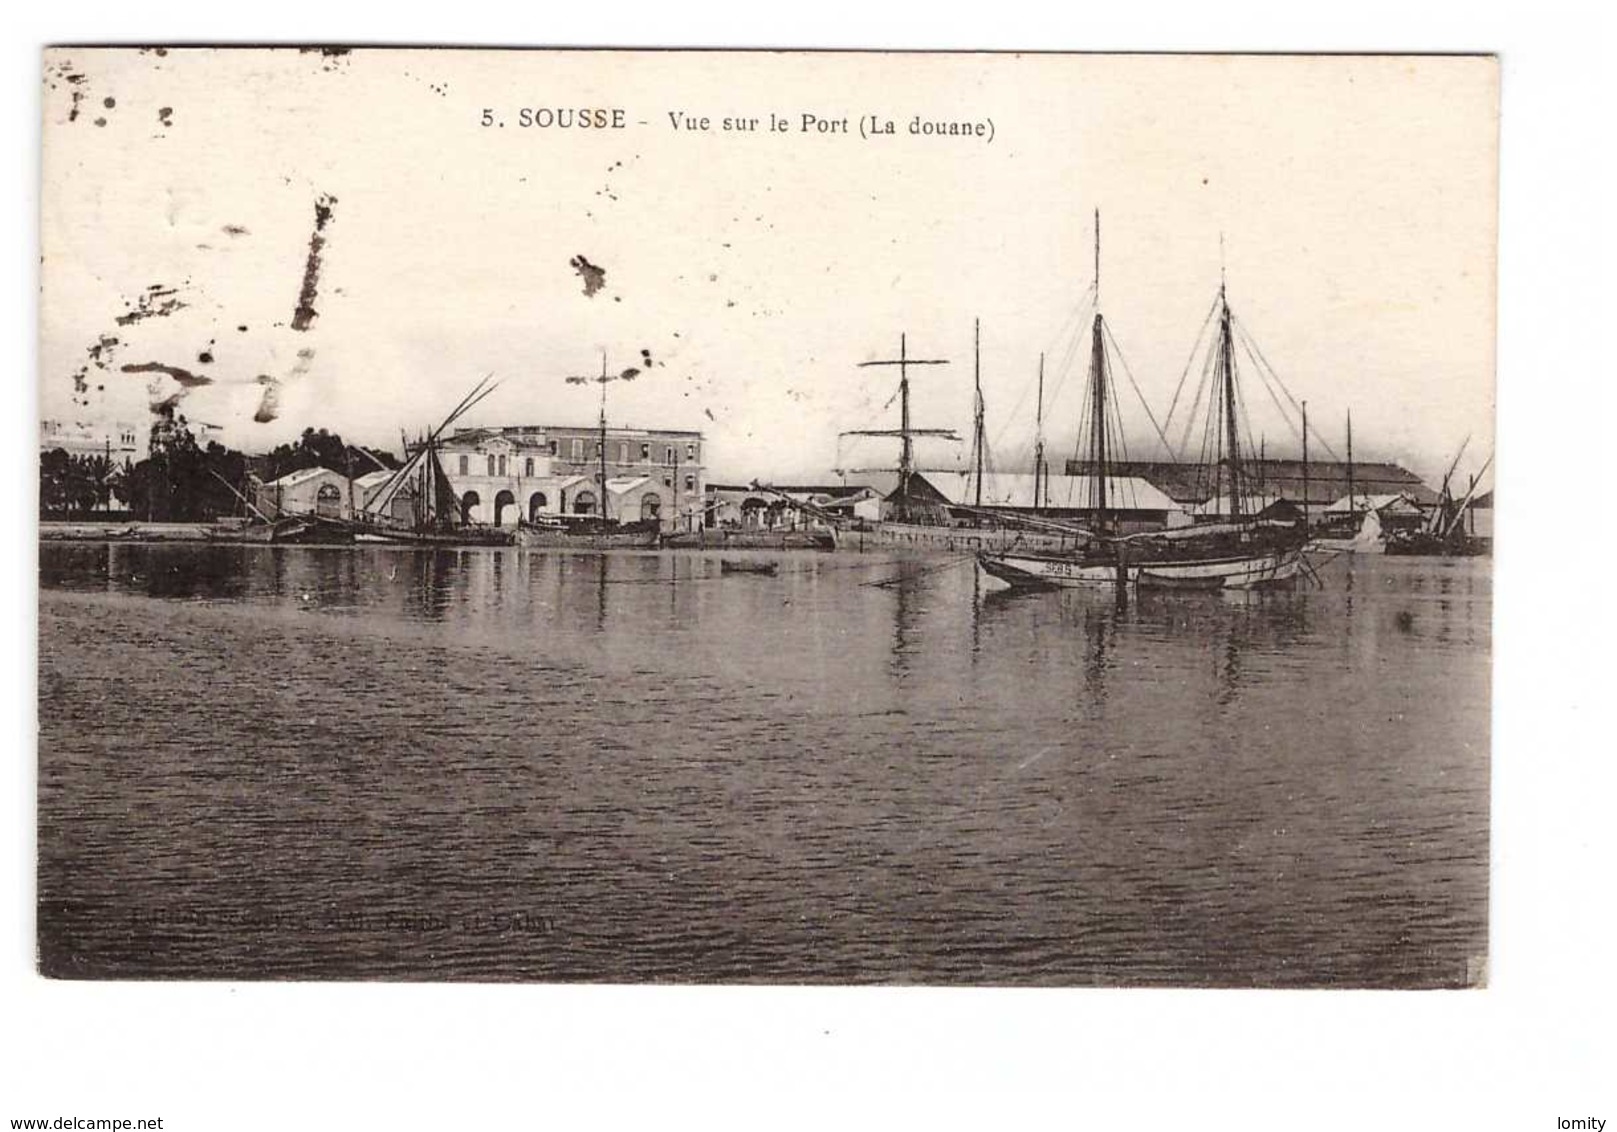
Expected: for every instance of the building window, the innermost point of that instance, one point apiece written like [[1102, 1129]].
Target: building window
[[623, 452], [690, 452], [555, 448], [645, 453], [668, 481], [600, 449], [491, 465], [465, 463], [527, 466], [690, 483], [668, 455], [578, 448]]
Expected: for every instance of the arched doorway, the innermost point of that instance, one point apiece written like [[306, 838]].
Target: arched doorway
[[503, 500], [536, 504], [468, 502], [651, 507], [584, 502], [328, 502]]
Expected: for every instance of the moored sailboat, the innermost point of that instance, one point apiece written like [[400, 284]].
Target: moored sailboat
[[916, 514], [592, 532], [416, 504], [1248, 550], [1444, 534]]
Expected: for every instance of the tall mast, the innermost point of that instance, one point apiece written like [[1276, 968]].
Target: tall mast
[[1099, 461], [906, 451], [1305, 465], [1227, 364], [426, 501], [1038, 440], [1353, 501], [603, 436], [1097, 427], [979, 442], [1445, 496], [906, 434]]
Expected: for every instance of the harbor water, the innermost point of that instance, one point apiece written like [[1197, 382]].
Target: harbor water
[[500, 764]]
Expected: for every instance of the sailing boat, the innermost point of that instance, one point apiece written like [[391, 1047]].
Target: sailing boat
[[606, 532], [917, 513], [1359, 530], [1444, 533], [1248, 551], [417, 503], [912, 504]]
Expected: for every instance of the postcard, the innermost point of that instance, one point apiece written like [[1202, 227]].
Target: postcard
[[766, 517]]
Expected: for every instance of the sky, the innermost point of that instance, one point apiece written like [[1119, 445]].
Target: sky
[[1349, 202]]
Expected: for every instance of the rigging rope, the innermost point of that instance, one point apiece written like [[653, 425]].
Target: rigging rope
[[1195, 351], [1127, 372], [1202, 386], [904, 576], [1246, 419], [1253, 349], [1269, 389], [1067, 333]]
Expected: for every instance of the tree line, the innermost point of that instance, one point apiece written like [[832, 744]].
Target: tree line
[[181, 481]]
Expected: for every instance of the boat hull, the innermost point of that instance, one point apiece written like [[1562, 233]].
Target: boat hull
[[1266, 570], [729, 566], [1347, 546], [920, 536], [462, 537], [1423, 544], [720, 539], [601, 540], [292, 529]]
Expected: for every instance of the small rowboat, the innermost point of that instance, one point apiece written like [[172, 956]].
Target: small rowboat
[[745, 566]]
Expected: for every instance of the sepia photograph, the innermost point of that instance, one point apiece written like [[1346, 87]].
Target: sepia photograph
[[832, 566], [961, 519]]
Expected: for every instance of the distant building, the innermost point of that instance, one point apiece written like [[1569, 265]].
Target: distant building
[[402, 507], [1395, 512], [737, 507], [1132, 502], [862, 503], [1271, 480], [309, 491], [1221, 506], [119, 441], [943, 498], [203, 432], [528, 472]]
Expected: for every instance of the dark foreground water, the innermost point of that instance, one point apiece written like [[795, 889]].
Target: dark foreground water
[[499, 764]]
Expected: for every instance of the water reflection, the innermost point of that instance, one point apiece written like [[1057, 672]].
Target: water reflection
[[862, 768], [905, 588], [427, 576], [1100, 627]]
